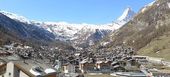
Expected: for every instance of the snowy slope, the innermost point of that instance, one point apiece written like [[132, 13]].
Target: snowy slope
[[69, 31], [147, 6], [127, 14], [15, 16], [24, 31]]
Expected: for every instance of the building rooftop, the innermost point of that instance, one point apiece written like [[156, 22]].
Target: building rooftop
[[31, 67]]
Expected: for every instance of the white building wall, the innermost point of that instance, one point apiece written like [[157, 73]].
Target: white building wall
[[23, 74], [9, 70], [155, 60]]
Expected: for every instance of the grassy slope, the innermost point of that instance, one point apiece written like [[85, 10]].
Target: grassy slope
[[159, 47]]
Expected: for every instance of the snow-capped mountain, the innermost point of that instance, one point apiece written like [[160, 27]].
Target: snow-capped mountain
[[77, 33], [23, 31], [15, 16], [127, 15]]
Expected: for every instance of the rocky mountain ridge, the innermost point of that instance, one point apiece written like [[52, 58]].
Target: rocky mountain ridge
[[87, 34]]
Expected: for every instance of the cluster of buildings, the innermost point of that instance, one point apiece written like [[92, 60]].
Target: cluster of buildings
[[120, 61]]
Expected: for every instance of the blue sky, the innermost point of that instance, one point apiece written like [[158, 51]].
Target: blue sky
[[73, 11]]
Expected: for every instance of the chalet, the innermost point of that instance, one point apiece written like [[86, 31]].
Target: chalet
[[81, 65], [68, 68], [100, 66], [18, 69], [118, 66], [141, 59], [155, 60], [57, 64], [87, 66], [104, 66], [137, 57]]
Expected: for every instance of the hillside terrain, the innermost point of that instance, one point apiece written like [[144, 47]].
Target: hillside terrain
[[148, 32]]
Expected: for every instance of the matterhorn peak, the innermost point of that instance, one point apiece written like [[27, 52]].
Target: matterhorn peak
[[127, 14]]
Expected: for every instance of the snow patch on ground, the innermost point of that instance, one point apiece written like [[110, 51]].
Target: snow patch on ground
[[146, 6], [143, 10]]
